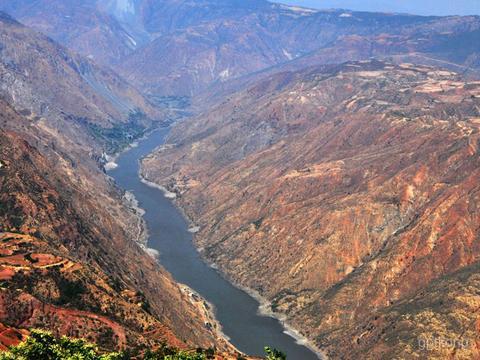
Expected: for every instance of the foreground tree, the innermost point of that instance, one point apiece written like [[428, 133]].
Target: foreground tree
[[42, 345]]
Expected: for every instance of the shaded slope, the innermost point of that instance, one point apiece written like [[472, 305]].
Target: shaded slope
[[55, 88]]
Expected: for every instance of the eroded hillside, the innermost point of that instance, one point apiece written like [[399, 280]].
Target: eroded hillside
[[347, 195], [56, 88]]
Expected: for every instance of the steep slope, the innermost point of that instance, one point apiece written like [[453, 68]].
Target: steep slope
[[69, 261], [346, 195], [78, 24]]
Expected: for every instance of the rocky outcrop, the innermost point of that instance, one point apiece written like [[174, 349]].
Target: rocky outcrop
[[343, 194]]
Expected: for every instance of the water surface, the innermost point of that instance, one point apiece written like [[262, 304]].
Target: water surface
[[236, 311]]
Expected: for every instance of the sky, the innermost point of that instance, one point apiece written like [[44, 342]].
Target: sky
[[420, 7]]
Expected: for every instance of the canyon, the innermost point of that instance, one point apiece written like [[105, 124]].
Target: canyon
[[327, 158]]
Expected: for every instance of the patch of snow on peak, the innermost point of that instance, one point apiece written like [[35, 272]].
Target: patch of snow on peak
[[131, 41], [345, 15], [225, 74]]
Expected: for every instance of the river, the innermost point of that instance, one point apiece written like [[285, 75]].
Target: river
[[236, 311]]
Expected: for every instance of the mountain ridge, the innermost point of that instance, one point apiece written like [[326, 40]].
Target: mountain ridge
[[179, 48], [72, 259]]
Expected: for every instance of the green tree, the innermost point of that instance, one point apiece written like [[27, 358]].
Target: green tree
[[42, 345], [168, 353]]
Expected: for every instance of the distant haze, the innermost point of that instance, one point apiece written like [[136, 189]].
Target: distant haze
[[420, 7]]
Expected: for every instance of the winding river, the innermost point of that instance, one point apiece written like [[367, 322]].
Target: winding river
[[236, 311]]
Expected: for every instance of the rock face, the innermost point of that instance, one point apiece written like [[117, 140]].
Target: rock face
[[181, 47], [348, 196]]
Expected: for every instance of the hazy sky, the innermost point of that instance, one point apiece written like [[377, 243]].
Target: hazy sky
[[423, 7]]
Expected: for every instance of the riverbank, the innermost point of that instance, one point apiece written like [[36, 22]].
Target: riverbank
[[128, 198], [265, 309]]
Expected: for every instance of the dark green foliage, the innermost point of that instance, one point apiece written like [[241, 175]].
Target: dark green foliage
[[168, 353], [69, 290], [12, 216], [42, 345], [258, 223], [29, 258], [210, 353], [147, 307]]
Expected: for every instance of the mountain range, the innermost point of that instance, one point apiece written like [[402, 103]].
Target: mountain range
[[178, 48]]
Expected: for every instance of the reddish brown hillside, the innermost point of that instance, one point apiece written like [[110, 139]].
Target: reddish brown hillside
[[343, 194]]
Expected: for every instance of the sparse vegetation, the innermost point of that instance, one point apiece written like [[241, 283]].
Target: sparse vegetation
[[168, 353], [274, 354]]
